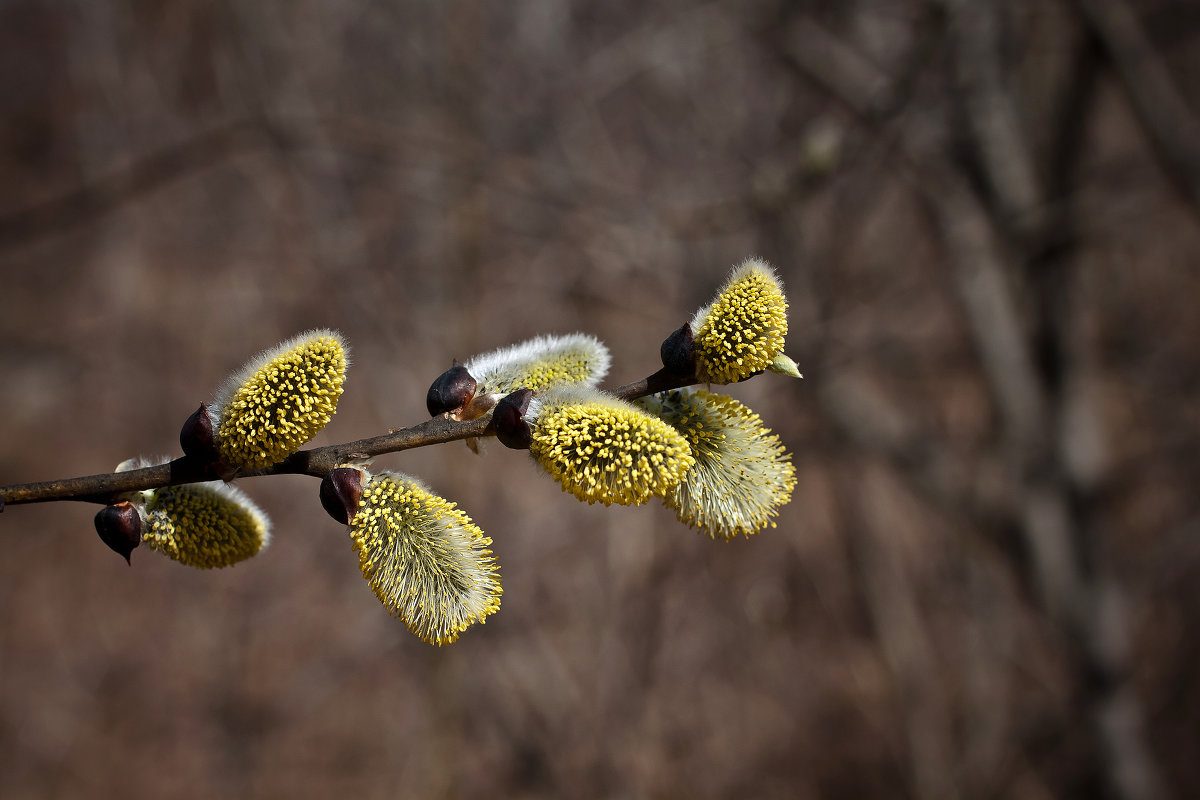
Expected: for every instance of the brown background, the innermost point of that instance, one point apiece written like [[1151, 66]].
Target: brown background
[[986, 217]]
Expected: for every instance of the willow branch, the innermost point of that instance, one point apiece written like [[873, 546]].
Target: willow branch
[[317, 461], [1163, 110], [661, 381]]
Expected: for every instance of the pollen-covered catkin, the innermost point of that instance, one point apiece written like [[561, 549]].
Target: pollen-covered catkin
[[742, 473], [279, 400], [541, 363], [204, 525], [605, 450], [426, 561], [743, 329]]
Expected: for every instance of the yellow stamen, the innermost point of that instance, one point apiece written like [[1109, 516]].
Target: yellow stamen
[[603, 450], [425, 560], [743, 329], [742, 473], [204, 525], [280, 400]]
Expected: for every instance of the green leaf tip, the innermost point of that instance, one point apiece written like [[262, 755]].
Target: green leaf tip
[[785, 366]]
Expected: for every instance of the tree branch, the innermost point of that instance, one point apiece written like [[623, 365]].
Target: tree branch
[[317, 462], [984, 262], [662, 381], [989, 111], [1173, 127]]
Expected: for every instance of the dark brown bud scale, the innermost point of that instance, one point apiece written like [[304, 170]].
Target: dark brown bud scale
[[196, 436], [120, 527], [678, 351], [341, 491], [508, 420], [452, 390]]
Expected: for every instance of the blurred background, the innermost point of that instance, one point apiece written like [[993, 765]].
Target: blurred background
[[986, 214]]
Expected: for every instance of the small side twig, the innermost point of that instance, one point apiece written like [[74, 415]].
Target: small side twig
[[662, 381]]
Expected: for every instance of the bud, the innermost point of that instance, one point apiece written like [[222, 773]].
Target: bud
[[678, 351], [196, 436], [425, 560], [341, 491], [603, 449], [741, 475], [742, 330], [279, 400], [785, 366], [120, 527], [452, 390], [508, 420]]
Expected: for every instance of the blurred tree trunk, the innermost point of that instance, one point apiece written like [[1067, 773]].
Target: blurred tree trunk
[[996, 183]]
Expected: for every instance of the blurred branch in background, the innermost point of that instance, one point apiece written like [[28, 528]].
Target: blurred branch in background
[[107, 194], [1026, 334], [1171, 124]]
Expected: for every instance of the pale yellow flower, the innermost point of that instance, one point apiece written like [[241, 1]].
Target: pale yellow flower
[[605, 450], [742, 331], [742, 474], [423, 557], [279, 400], [470, 390], [540, 363], [202, 525]]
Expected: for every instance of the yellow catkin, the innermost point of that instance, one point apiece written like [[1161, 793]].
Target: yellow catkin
[[742, 473], [604, 450], [204, 525], [540, 363], [425, 560], [569, 367], [280, 400], [743, 329]]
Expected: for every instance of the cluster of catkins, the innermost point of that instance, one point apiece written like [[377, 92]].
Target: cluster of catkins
[[705, 455]]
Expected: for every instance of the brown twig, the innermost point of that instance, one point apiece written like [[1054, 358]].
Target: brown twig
[[317, 461], [661, 381]]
